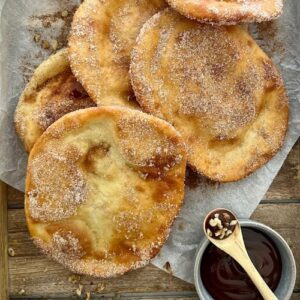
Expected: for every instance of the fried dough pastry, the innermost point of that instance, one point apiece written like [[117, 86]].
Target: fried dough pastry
[[103, 188], [229, 12], [217, 87], [52, 92], [102, 36]]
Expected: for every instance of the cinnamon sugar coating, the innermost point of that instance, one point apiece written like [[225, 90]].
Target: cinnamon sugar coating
[[52, 92], [217, 87], [103, 188], [228, 12], [102, 36]]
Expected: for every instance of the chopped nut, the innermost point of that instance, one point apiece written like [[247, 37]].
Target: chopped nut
[[229, 232], [45, 44], [222, 236], [11, 252], [220, 226], [217, 216], [37, 38], [167, 267], [213, 223], [209, 233], [218, 233], [46, 23], [54, 44], [74, 278], [88, 296], [79, 290], [21, 292], [233, 222], [65, 13], [100, 287]]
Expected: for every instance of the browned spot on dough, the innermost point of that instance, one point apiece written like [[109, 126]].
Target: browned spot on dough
[[99, 255], [250, 43], [123, 251], [164, 188], [230, 29], [157, 167], [154, 252], [120, 246], [58, 96], [139, 188], [30, 98], [95, 153], [156, 106]]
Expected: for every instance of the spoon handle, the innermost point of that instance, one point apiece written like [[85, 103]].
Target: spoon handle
[[241, 256]]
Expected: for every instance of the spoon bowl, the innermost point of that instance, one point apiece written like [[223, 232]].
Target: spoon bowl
[[220, 243]]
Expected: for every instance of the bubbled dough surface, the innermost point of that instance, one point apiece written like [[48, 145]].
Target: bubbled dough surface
[[217, 87], [47, 97], [103, 188], [102, 36], [229, 11]]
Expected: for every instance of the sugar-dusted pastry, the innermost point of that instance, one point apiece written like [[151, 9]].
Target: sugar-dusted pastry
[[102, 36], [229, 11], [103, 188], [217, 87], [52, 92]]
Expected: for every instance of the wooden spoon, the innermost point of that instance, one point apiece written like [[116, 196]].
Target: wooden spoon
[[234, 246]]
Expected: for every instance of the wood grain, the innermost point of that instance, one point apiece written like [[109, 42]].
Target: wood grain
[[164, 296], [3, 243], [286, 186], [38, 276], [152, 296], [296, 296]]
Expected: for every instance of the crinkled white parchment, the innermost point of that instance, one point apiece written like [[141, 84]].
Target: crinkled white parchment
[[17, 49]]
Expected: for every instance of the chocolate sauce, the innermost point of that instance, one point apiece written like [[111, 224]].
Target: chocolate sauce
[[220, 224], [225, 279]]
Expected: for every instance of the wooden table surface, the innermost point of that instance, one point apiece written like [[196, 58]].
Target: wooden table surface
[[32, 276]]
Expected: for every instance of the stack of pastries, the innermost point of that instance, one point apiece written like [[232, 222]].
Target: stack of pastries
[[111, 122]]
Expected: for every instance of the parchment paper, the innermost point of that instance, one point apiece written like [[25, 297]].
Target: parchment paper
[[20, 55]]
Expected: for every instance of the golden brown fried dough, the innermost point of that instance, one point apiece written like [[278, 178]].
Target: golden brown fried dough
[[52, 92], [229, 12], [217, 87], [103, 188], [102, 36]]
